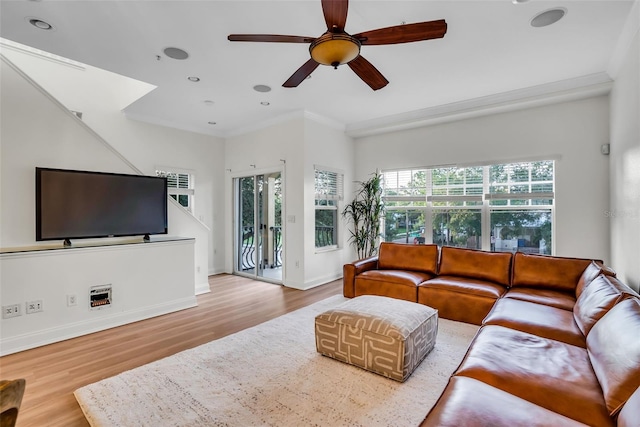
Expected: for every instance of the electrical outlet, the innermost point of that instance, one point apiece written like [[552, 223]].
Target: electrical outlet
[[11, 310], [72, 300], [34, 306]]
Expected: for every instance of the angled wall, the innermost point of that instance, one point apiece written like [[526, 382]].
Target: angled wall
[[100, 96], [149, 280]]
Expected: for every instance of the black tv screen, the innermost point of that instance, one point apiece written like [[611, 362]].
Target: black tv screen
[[81, 204]]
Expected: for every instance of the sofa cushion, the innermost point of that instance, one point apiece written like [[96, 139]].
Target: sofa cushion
[[542, 320], [466, 286], [459, 298], [469, 402], [398, 256], [542, 271], [548, 373], [614, 348], [390, 283], [490, 266], [559, 299], [593, 270], [597, 298]]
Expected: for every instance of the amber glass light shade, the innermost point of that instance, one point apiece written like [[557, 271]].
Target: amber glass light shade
[[334, 49]]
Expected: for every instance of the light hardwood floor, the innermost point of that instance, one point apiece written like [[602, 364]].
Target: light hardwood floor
[[54, 371]]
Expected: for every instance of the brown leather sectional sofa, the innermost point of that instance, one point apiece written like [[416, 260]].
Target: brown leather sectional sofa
[[559, 343]]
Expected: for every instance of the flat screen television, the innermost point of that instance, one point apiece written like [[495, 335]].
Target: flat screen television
[[73, 204]]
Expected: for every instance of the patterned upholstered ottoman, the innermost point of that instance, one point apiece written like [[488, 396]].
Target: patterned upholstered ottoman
[[384, 335]]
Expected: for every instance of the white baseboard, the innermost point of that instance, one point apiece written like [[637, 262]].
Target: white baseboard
[[214, 271], [318, 281], [203, 288], [73, 330]]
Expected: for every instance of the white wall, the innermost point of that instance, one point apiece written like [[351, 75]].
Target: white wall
[[147, 279], [329, 147], [570, 133], [38, 131], [100, 96], [302, 143], [623, 213], [266, 149]]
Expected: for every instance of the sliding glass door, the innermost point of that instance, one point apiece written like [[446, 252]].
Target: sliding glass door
[[258, 226]]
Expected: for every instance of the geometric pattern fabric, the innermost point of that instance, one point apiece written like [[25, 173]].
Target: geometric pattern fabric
[[384, 335]]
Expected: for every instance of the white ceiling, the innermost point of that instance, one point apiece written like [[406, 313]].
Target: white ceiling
[[489, 49]]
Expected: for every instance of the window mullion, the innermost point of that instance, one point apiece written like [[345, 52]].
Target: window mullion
[[485, 215], [428, 214]]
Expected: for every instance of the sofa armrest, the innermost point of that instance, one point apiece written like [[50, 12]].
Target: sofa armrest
[[350, 271]]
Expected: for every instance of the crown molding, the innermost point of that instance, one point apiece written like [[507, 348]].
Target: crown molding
[[297, 114], [535, 96], [263, 124], [172, 124], [40, 54], [326, 121]]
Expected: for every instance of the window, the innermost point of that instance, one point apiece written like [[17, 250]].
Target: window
[[456, 206], [405, 200], [521, 200], [503, 207], [180, 184], [329, 191]]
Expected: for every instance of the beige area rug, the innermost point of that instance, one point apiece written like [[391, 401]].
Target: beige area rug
[[271, 375]]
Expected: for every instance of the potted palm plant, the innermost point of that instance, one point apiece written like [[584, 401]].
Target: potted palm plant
[[364, 213]]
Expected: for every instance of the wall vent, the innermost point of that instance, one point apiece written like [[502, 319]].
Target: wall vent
[[100, 297]]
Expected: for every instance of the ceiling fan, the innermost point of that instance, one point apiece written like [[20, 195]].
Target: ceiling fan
[[337, 47]]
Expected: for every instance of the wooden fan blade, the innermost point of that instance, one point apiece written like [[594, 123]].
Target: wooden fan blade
[[275, 38], [335, 14], [368, 73], [301, 74], [404, 33]]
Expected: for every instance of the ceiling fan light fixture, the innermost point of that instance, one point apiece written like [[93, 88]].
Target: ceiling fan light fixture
[[334, 49]]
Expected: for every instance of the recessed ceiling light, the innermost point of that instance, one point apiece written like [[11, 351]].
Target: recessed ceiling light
[[519, 1], [208, 103], [548, 17], [262, 88], [265, 103], [175, 53], [212, 123], [193, 79], [40, 24]]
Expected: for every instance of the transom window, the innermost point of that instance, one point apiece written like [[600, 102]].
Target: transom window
[[502, 207], [180, 185]]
